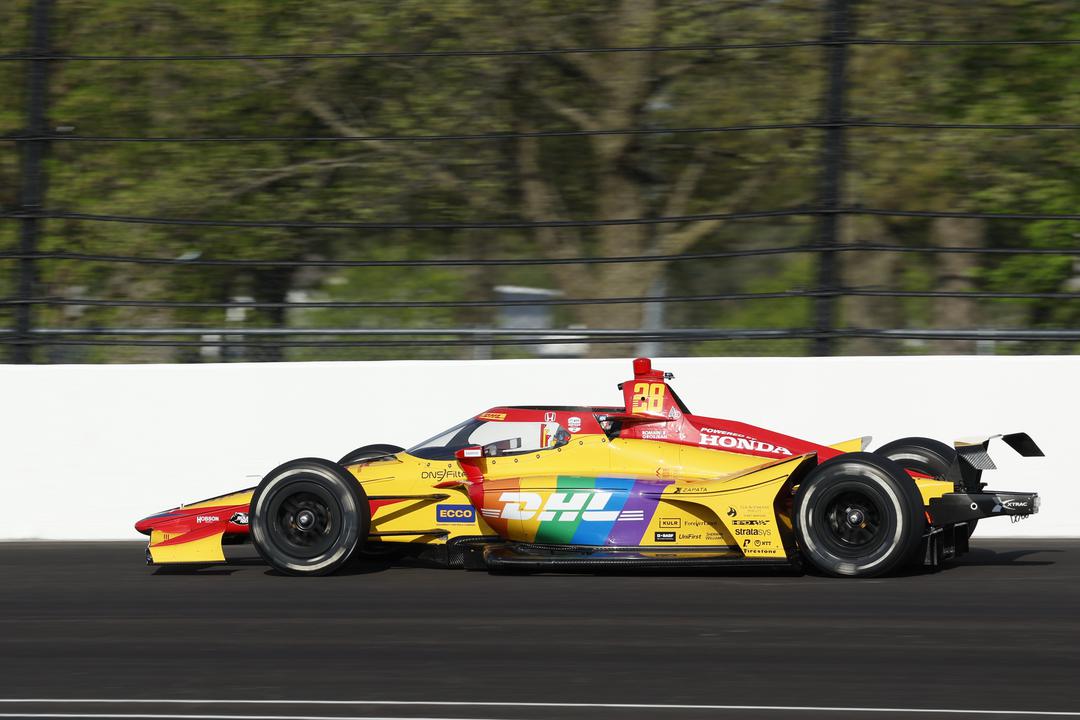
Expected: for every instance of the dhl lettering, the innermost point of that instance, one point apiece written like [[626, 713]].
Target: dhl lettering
[[559, 507], [491, 416]]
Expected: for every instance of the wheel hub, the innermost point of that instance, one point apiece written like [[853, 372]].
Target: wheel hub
[[855, 517], [305, 519]]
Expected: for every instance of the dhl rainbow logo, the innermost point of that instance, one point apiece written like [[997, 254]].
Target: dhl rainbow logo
[[572, 510]]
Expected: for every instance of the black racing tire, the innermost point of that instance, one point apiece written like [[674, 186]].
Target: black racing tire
[[858, 515], [308, 517], [924, 455], [367, 452]]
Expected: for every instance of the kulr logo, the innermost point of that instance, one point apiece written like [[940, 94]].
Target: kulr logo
[[455, 514]]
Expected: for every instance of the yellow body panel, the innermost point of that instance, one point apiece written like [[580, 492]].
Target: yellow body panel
[[930, 489], [203, 550], [707, 484]]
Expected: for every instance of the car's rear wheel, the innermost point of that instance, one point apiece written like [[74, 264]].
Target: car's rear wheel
[[923, 455], [858, 515], [369, 452], [308, 517]]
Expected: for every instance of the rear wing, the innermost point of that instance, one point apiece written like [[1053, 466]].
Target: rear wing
[[973, 456]]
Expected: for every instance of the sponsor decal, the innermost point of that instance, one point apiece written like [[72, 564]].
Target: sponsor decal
[[240, 518], [731, 442], [670, 522], [700, 523], [731, 512], [442, 474], [200, 519], [549, 417], [563, 507], [746, 542], [455, 514], [690, 536], [653, 434], [491, 416], [574, 424], [664, 537], [749, 522], [750, 531], [691, 489], [1014, 504]]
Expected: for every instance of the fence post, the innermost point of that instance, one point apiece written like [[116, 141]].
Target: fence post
[[32, 171], [832, 172]]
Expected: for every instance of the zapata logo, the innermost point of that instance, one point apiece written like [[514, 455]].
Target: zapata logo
[[731, 512]]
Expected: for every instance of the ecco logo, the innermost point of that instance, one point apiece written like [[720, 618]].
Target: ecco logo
[[560, 506], [455, 513]]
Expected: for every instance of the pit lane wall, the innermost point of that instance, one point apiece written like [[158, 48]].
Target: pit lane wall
[[89, 449]]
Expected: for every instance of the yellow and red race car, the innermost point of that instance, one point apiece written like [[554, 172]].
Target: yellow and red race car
[[644, 484]]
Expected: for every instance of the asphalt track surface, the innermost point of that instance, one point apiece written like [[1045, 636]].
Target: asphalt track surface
[[996, 630]]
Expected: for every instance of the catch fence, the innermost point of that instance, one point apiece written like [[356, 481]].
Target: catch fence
[[26, 336]]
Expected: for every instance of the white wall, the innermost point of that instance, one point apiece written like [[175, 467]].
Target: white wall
[[87, 450]]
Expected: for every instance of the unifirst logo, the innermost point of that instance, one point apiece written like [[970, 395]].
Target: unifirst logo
[[560, 506]]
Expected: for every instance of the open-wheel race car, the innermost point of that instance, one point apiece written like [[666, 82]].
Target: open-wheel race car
[[645, 484]]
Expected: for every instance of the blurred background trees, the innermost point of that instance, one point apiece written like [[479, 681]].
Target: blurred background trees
[[561, 177]]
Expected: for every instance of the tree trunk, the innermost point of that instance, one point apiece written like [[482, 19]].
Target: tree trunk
[[956, 272], [868, 270]]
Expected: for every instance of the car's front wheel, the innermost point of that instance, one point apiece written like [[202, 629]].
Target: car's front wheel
[[369, 452], [308, 517], [858, 515]]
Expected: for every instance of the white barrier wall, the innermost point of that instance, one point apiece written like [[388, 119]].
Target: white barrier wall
[[89, 449]]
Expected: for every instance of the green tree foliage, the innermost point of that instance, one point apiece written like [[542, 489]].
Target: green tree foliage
[[548, 178]]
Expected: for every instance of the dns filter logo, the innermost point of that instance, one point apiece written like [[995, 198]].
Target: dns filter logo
[[455, 513]]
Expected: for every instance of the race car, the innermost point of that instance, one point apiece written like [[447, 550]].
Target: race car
[[646, 484]]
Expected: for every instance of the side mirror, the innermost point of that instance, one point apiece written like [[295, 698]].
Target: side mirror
[[467, 459], [472, 451]]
